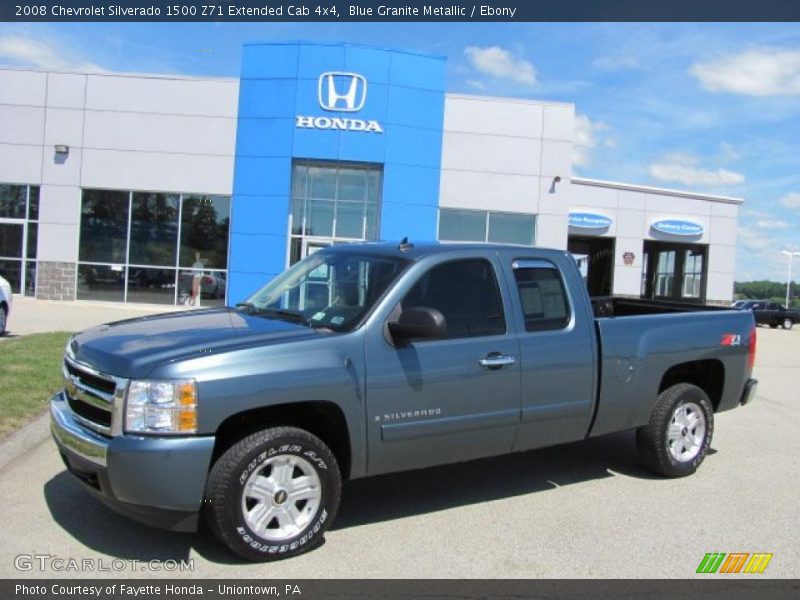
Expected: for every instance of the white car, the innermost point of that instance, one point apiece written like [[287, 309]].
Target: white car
[[5, 304]]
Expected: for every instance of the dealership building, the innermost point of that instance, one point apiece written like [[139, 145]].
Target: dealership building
[[121, 187]]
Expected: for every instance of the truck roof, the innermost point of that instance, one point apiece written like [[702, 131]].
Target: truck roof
[[416, 250]]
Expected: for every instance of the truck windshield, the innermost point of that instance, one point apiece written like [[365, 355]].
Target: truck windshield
[[328, 289]]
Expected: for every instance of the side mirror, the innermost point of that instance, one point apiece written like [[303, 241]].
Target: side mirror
[[419, 322]]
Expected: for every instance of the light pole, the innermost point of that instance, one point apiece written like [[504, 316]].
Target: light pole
[[789, 276]]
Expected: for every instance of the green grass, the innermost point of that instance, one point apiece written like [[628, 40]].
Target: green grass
[[30, 372]]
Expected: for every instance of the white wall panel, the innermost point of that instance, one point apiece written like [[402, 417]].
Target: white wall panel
[[721, 258], [489, 153], [465, 189], [20, 164], [21, 124], [57, 170], [551, 231], [66, 90], [162, 95], [677, 205], [723, 230], [160, 133], [22, 87], [59, 204], [63, 126], [559, 122], [627, 281], [58, 242], [158, 172], [493, 116], [556, 158], [719, 287]]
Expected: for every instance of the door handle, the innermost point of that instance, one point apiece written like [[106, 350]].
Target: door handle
[[495, 360]]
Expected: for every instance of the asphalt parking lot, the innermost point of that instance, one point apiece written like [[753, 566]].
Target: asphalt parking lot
[[580, 510]]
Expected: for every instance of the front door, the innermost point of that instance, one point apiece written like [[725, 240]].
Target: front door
[[445, 400]]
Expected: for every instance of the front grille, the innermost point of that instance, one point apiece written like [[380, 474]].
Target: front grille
[[90, 395], [89, 412]]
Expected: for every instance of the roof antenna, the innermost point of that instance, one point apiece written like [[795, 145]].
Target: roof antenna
[[405, 244]]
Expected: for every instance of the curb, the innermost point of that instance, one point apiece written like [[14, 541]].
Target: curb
[[24, 440]]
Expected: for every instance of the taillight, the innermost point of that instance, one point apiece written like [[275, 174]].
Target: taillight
[[751, 349]]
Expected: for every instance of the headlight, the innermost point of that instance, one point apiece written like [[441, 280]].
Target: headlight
[[161, 407]]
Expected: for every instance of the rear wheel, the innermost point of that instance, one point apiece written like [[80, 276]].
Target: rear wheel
[[678, 435], [3, 320], [787, 323], [273, 494]]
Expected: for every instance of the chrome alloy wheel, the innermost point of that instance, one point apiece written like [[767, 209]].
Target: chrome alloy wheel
[[687, 430], [281, 497]]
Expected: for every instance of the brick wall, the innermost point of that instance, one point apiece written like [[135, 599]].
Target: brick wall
[[55, 280]]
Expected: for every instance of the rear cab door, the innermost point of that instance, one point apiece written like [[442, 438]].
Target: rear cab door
[[558, 348], [445, 400]]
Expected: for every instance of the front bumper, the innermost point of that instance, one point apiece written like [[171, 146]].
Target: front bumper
[[749, 392], [154, 480]]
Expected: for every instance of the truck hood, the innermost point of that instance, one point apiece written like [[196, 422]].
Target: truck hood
[[134, 347]]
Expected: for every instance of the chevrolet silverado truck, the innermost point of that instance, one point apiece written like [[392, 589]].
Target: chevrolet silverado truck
[[375, 358]]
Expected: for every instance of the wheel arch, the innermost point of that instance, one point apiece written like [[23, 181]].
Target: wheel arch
[[708, 375], [323, 419]]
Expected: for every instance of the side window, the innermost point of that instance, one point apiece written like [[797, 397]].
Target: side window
[[466, 293], [542, 295]]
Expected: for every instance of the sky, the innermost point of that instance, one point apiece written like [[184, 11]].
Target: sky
[[706, 107]]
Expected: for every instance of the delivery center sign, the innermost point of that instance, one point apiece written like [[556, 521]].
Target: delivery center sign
[[340, 92]]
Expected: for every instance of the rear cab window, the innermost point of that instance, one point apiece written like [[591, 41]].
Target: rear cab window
[[542, 295]]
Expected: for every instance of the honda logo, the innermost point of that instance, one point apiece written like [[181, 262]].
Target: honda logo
[[343, 92]]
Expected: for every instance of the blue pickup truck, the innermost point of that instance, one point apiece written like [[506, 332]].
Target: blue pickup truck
[[375, 358]]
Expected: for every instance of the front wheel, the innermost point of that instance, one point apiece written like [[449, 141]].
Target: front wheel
[[678, 435], [787, 323], [273, 494]]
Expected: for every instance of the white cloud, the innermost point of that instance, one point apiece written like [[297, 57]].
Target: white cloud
[[763, 72], [752, 240], [790, 200], [501, 64], [729, 152], [30, 52], [589, 135], [676, 171], [772, 224]]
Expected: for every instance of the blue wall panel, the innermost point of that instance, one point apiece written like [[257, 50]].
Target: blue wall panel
[[405, 94]]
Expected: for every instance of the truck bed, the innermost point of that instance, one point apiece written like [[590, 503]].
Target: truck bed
[[611, 306]]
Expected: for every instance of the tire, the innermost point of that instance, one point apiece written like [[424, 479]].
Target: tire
[[672, 444], [3, 320], [787, 323], [256, 475]]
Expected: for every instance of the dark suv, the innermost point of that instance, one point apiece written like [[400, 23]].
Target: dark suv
[[770, 313]]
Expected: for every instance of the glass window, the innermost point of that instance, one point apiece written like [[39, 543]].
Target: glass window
[[33, 203], [11, 270], [154, 229], [507, 228], [11, 240], [101, 282], [693, 274], [33, 235], [204, 231], [665, 273], [319, 218], [154, 286], [466, 293], [350, 220], [104, 226], [339, 203], [543, 298], [13, 200], [462, 225]]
